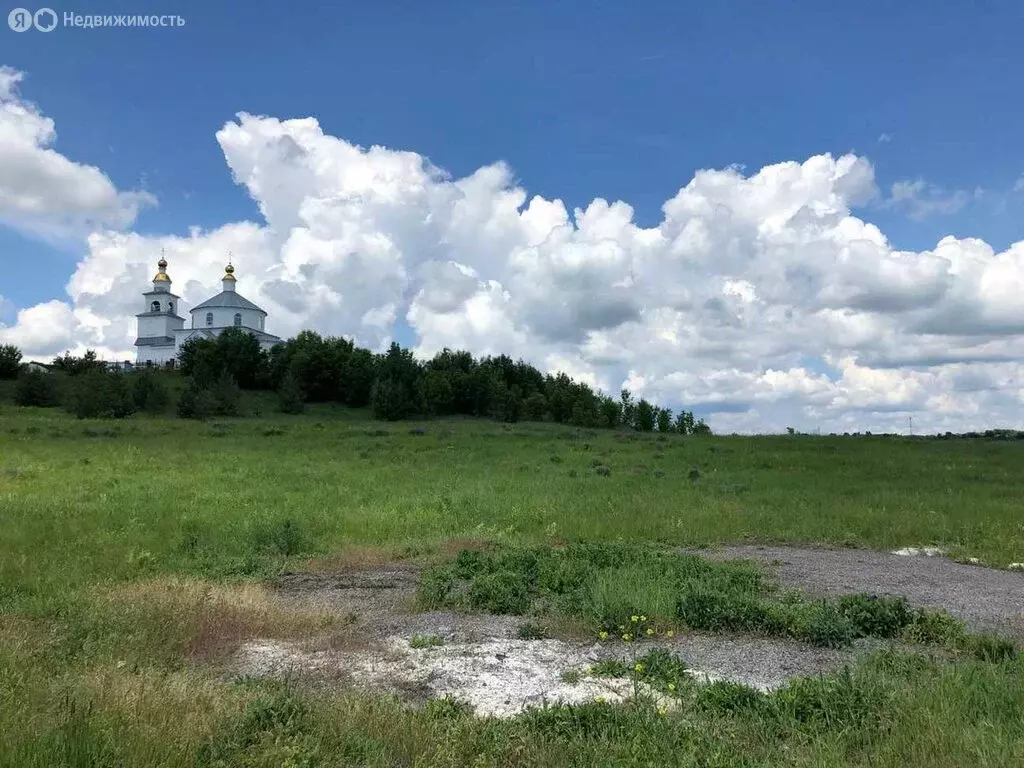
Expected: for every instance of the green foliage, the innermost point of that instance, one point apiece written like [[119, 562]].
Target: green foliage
[[726, 696], [235, 353], [531, 631], [664, 419], [37, 388], [644, 416], [290, 397], [715, 610], [97, 394], [196, 403], [274, 729], [10, 361], [149, 393], [284, 537], [426, 641], [873, 616], [73, 366]]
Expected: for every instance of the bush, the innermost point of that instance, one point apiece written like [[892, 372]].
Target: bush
[[716, 611], [226, 395], [36, 388], [875, 616], [10, 361], [290, 398], [150, 394], [391, 400], [197, 403], [97, 394]]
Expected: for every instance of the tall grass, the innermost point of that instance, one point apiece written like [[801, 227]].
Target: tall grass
[[131, 555]]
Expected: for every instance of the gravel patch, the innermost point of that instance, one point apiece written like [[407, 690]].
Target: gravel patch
[[986, 599], [500, 677], [481, 661]]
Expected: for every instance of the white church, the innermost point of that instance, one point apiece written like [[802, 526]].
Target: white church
[[162, 330]]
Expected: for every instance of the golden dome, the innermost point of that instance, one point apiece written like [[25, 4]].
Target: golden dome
[[229, 273], [161, 275]]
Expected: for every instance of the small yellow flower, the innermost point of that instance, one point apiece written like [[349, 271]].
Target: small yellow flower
[[650, 631], [661, 711], [627, 637], [670, 633], [599, 699], [671, 686], [638, 667], [643, 618], [634, 619], [603, 635]]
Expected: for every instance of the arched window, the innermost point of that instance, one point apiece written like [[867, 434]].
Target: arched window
[[238, 319], [170, 307], [209, 318], [155, 306]]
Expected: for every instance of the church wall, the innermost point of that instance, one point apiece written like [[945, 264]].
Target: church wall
[[158, 326], [225, 317], [156, 355]]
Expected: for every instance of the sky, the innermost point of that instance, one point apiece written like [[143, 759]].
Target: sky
[[772, 213]]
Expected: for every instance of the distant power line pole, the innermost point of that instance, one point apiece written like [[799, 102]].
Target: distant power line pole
[[910, 424]]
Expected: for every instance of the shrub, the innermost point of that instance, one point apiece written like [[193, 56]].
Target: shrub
[[10, 361], [819, 623], [716, 611], [500, 592], [290, 398], [875, 616], [197, 404], [97, 394], [934, 627], [149, 393], [36, 388], [226, 395]]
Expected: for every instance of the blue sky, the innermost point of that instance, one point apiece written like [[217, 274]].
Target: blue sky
[[611, 99], [581, 100]]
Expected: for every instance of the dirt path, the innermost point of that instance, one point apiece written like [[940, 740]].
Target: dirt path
[[985, 598]]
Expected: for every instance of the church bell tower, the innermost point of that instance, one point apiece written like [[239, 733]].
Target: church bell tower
[[158, 320]]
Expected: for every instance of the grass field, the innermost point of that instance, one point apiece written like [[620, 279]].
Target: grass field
[[126, 544]]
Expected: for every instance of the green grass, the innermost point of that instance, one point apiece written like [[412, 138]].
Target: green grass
[[133, 552]]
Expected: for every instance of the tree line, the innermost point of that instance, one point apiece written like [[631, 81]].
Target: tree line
[[311, 368]]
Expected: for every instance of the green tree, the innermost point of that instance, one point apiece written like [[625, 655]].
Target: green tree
[[685, 423], [200, 361], [290, 397], [535, 407], [664, 419], [644, 416], [73, 366], [98, 394], [437, 393], [240, 355], [37, 388], [150, 393], [10, 361]]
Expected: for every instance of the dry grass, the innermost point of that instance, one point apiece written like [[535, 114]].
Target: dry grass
[[211, 619]]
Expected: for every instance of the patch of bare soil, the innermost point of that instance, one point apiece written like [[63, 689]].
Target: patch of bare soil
[[986, 599], [481, 661]]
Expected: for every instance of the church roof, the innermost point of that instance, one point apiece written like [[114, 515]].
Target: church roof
[[229, 299], [154, 341]]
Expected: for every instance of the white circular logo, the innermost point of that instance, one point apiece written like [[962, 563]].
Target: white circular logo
[[20, 20], [45, 19]]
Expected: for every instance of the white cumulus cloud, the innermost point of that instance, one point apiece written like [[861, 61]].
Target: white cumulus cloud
[[759, 298]]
